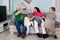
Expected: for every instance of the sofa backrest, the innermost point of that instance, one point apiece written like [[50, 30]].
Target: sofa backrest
[[45, 14]]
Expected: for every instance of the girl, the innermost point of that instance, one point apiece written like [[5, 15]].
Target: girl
[[28, 22], [39, 16]]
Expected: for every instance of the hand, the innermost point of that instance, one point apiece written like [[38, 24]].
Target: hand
[[23, 4], [33, 16], [18, 12]]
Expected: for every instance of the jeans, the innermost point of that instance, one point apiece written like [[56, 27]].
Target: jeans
[[24, 29]]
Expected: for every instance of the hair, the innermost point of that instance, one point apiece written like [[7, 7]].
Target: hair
[[53, 8], [38, 10]]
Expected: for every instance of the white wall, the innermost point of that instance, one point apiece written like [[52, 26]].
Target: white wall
[[58, 17], [0, 2], [57, 5], [42, 4]]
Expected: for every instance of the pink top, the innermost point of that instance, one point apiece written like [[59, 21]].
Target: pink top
[[39, 14]]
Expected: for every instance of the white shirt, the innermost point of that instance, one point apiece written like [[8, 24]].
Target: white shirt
[[27, 22]]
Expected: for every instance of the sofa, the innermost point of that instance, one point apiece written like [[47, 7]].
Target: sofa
[[12, 27]]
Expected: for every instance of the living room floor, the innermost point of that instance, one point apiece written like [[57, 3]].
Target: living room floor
[[7, 36]]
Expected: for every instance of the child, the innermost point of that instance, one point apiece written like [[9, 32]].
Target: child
[[50, 21], [28, 22]]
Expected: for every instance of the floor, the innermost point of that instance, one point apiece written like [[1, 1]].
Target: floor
[[7, 36]]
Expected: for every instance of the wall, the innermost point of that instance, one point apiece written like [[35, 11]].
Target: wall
[[42, 4], [58, 9], [0, 2], [15, 3], [58, 6]]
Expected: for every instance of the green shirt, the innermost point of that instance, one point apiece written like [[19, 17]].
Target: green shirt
[[20, 16]]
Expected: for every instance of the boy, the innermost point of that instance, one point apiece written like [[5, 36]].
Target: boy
[[50, 22]]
